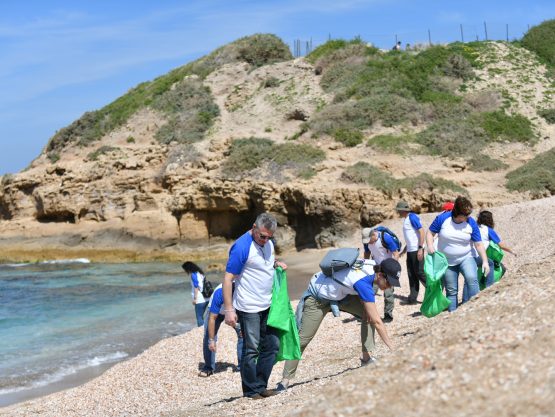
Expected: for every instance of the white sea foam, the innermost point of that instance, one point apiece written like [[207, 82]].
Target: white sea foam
[[51, 262], [67, 370]]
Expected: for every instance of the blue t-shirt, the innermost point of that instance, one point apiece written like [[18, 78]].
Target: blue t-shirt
[[217, 301], [364, 288]]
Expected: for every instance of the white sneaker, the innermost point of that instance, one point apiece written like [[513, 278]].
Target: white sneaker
[[283, 385], [370, 361]]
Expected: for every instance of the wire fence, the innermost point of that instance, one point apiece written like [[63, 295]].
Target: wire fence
[[424, 38]]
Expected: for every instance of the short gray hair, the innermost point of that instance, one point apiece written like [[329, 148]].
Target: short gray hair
[[267, 221]]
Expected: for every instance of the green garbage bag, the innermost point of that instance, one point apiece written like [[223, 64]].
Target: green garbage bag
[[282, 317], [496, 254], [434, 300]]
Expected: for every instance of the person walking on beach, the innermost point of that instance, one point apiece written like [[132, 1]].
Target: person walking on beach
[[380, 246], [414, 239], [350, 290], [251, 265], [215, 318], [197, 284], [457, 232]]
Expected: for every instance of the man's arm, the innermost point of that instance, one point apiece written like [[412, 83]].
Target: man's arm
[[230, 315], [430, 242], [212, 331], [375, 319], [421, 241]]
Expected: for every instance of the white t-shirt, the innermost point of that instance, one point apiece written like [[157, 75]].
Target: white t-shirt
[[330, 289], [197, 281], [254, 267], [411, 225]]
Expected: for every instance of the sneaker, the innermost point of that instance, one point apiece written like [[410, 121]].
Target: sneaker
[[269, 393], [283, 385], [256, 397], [370, 361], [387, 318], [205, 374]]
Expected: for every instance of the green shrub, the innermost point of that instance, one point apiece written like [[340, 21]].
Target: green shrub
[[500, 126], [364, 173], [536, 176], [331, 47], [103, 150], [390, 143], [53, 157], [541, 40], [481, 162], [348, 137], [453, 137], [251, 153], [130, 139], [458, 66], [548, 115], [262, 49], [191, 111]]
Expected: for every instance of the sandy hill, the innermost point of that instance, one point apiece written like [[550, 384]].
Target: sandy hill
[[182, 164], [493, 356]]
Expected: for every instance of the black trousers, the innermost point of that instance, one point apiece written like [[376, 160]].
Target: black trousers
[[415, 271]]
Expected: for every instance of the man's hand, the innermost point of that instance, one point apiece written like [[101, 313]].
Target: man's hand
[[212, 345], [283, 265], [194, 302], [485, 269], [231, 318], [420, 254]]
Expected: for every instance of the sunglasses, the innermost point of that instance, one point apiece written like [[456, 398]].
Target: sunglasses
[[262, 236]]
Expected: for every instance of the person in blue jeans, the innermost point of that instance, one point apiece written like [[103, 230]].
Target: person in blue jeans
[[197, 284], [212, 324], [486, 226], [457, 231], [251, 266]]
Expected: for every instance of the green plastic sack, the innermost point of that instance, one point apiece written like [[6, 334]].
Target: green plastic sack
[[282, 317], [434, 300], [494, 252]]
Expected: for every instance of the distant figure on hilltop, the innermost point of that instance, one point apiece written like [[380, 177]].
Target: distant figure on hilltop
[[397, 46]]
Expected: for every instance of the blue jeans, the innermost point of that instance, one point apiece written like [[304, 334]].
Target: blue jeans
[[489, 279], [209, 356], [199, 312], [451, 281], [260, 347]]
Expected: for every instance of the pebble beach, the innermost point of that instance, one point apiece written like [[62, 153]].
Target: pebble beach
[[493, 356]]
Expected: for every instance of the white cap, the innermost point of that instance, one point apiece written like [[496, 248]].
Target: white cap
[[366, 234]]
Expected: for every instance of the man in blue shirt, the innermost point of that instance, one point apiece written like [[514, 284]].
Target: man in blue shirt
[[251, 266], [380, 246], [414, 239]]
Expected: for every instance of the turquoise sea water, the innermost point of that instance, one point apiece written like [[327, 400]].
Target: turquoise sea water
[[57, 319]]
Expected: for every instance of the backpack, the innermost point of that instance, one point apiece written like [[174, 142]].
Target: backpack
[[207, 288], [383, 230], [338, 259]]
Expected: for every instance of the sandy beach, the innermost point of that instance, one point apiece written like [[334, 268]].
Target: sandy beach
[[493, 356]]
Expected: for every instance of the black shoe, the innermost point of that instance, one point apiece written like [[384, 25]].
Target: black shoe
[[256, 397], [387, 318], [269, 393]]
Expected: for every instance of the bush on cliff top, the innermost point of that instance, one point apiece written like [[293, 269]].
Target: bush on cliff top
[[541, 40], [364, 173], [251, 153], [536, 176]]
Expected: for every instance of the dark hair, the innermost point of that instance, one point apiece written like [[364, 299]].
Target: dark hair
[[191, 267], [462, 207], [486, 217]]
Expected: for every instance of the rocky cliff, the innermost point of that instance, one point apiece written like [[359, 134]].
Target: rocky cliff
[[132, 193]]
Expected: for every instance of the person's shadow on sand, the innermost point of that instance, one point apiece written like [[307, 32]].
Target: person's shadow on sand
[[221, 367]]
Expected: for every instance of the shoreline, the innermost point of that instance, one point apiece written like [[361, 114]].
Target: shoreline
[[300, 269]]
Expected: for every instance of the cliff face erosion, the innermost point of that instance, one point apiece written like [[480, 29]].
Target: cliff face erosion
[[328, 143]]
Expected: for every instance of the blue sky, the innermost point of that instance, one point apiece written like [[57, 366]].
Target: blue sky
[[59, 59]]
